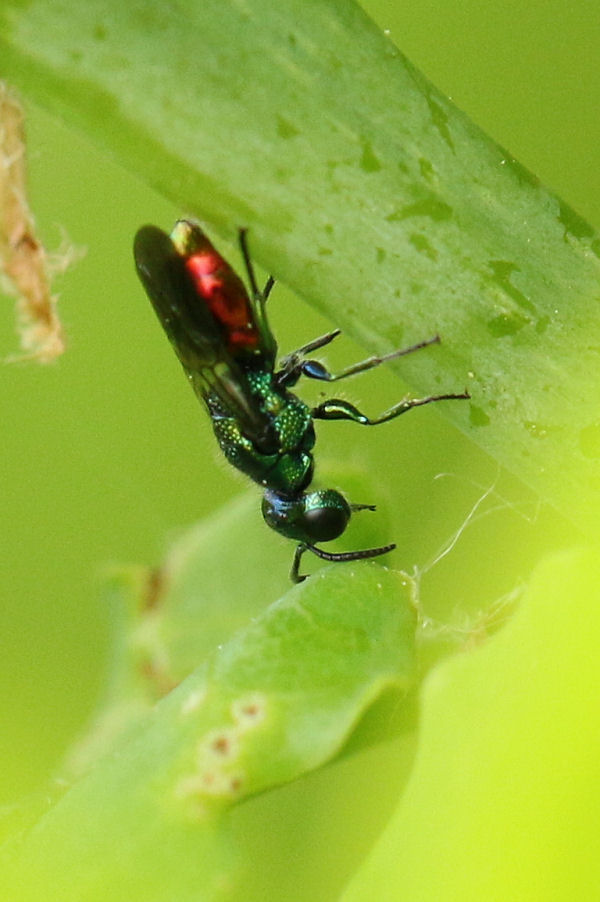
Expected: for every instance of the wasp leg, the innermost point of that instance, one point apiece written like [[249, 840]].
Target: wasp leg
[[295, 576], [313, 345], [264, 294], [339, 556], [314, 369], [293, 365], [336, 409]]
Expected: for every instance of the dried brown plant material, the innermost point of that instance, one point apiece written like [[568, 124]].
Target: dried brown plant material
[[23, 258]]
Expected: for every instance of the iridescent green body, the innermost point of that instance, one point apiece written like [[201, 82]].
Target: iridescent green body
[[222, 338], [283, 460]]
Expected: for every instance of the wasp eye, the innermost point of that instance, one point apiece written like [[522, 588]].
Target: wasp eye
[[326, 515]]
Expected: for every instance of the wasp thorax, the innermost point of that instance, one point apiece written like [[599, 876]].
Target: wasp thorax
[[313, 517]]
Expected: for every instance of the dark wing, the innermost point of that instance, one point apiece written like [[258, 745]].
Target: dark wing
[[205, 310]]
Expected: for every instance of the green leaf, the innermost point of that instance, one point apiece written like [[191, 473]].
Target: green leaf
[[220, 574], [504, 796], [279, 699], [215, 578], [365, 189]]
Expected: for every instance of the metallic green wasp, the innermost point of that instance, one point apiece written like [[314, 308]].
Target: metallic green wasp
[[222, 338]]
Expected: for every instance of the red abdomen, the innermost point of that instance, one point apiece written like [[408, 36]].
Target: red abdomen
[[225, 296]]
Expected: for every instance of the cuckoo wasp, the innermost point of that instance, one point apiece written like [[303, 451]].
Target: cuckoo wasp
[[221, 335]]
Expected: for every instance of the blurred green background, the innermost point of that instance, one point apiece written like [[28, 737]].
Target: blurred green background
[[106, 454]]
